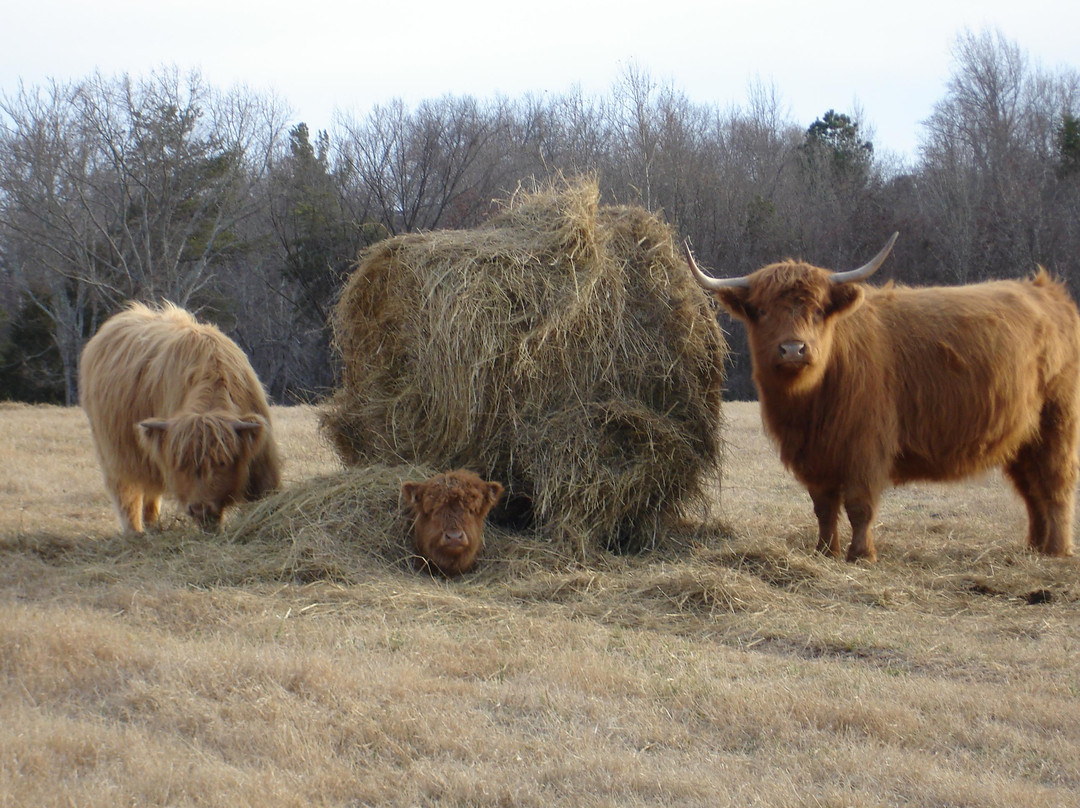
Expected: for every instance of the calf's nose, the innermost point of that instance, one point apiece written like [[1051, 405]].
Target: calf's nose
[[455, 538]]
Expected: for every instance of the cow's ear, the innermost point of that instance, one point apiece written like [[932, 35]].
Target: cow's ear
[[411, 492], [154, 428], [152, 433], [252, 429], [494, 491], [844, 298], [736, 300]]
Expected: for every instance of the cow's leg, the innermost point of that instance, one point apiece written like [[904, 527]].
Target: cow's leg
[[861, 508], [1059, 537], [1060, 439], [1045, 473], [827, 509], [151, 509], [1024, 474], [128, 500]]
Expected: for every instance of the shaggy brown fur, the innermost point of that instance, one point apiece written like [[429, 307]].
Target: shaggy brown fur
[[448, 513], [175, 408], [898, 384]]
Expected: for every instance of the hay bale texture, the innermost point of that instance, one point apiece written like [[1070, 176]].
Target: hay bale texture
[[562, 348]]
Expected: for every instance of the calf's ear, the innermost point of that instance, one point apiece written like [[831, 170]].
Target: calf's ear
[[411, 492], [491, 491]]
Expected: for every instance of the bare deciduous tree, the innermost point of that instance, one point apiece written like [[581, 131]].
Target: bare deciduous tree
[[121, 189], [989, 159], [422, 168], [163, 186]]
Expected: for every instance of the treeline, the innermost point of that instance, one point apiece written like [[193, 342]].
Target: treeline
[[120, 188]]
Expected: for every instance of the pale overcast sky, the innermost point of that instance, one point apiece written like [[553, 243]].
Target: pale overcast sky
[[891, 60]]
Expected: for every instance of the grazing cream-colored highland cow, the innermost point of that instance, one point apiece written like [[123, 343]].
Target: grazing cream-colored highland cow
[[448, 517], [175, 408]]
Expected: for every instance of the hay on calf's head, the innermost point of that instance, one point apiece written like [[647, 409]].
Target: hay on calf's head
[[562, 349]]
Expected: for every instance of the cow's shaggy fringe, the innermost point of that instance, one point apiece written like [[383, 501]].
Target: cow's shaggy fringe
[[562, 349]]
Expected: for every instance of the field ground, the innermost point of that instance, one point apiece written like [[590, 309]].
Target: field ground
[[738, 669]]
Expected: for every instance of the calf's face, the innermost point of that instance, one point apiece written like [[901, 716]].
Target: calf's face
[[448, 513], [204, 459]]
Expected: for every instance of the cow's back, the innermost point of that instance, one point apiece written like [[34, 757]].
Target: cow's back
[[973, 367], [153, 363]]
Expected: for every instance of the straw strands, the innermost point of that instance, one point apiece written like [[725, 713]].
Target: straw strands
[[562, 349]]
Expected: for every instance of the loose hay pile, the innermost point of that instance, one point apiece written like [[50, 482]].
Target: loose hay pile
[[330, 526], [562, 349], [345, 525]]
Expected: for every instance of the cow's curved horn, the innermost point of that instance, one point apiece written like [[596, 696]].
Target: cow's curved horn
[[705, 282], [867, 269]]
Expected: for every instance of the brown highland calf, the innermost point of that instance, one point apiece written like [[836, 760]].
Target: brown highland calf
[[448, 513], [863, 386], [175, 408]]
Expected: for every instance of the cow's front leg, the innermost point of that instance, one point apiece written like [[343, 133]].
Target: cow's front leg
[[128, 500], [827, 510], [861, 511], [151, 509]]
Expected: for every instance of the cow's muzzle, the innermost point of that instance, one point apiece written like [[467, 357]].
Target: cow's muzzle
[[793, 354], [208, 517], [454, 540]]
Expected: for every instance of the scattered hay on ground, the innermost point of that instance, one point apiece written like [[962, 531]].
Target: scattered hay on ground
[[348, 525], [562, 349]]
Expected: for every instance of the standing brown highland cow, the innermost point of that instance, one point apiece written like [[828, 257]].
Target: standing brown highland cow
[[175, 408], [863, 386]]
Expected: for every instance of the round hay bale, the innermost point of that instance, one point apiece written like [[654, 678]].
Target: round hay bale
[[563, 349]]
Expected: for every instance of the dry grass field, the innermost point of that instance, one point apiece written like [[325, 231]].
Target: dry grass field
[[184, 669]]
